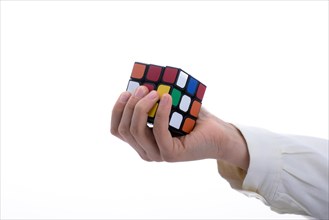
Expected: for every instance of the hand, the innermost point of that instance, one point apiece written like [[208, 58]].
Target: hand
[[211, 137]]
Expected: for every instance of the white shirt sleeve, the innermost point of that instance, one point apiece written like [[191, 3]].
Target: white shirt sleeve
[[289, 172]]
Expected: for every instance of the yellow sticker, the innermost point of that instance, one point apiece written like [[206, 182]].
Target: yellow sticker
[[162, 89], [153, 110]]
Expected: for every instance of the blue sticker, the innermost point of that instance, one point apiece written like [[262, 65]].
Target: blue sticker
[[192, 86]]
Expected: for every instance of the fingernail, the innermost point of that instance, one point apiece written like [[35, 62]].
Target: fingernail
[[164, 99], [124, 97], [140, 92], [153, 94]]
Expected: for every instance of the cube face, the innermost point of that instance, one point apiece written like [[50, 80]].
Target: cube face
[[186, 92]]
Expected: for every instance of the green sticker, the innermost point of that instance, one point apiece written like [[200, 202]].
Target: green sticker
[[175, 94]]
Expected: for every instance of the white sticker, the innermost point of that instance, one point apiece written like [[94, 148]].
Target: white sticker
[[176, 120], [182, 78], [185, 103], [132, 86]]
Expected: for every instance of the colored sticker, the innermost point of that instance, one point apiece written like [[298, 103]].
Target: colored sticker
[[170, 75], [132, 86], [150, 86], [192, 85], [153, 110], [175, 94], [185, 103], [153, 73], [201, 91], [162, 89], [138, 71], [176, 120], [182, 78], [188, 125], [195, 109]]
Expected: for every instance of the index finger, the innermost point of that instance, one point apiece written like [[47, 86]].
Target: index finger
[[161, 122]]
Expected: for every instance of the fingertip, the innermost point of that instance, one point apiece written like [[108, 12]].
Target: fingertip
[[123, 98], [140, 92], [165, 100], [153, 95], [147, 88]]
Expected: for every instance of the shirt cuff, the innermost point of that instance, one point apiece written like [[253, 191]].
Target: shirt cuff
[[264, 166]]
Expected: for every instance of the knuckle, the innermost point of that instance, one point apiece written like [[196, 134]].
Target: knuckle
[[134, 130], [150, 157], [169, 157], [132, 102], [116, 110], [145, 158], [114, 132], [155, 157], [156, 130], [140, 108], [159, 115], [123, 131], [160, 118], [158, 159]]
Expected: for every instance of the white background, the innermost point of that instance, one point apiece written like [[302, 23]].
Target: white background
[[63, 64]]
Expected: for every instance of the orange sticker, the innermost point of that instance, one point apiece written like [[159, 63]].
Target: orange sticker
[[138, 71], [188, 125], [195, 109]]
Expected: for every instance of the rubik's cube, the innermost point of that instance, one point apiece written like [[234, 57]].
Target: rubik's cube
[[186, 92]]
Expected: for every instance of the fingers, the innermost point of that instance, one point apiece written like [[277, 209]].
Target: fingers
[[129, 123], [125, 121], [139, 129], [160, 130], [117, 113]]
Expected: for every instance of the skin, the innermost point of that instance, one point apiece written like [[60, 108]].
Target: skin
[[211, 138]]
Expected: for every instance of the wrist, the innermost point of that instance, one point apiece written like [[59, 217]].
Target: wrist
[[234, 147]]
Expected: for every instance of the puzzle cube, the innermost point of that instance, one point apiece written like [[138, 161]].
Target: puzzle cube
[[186, 92]]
